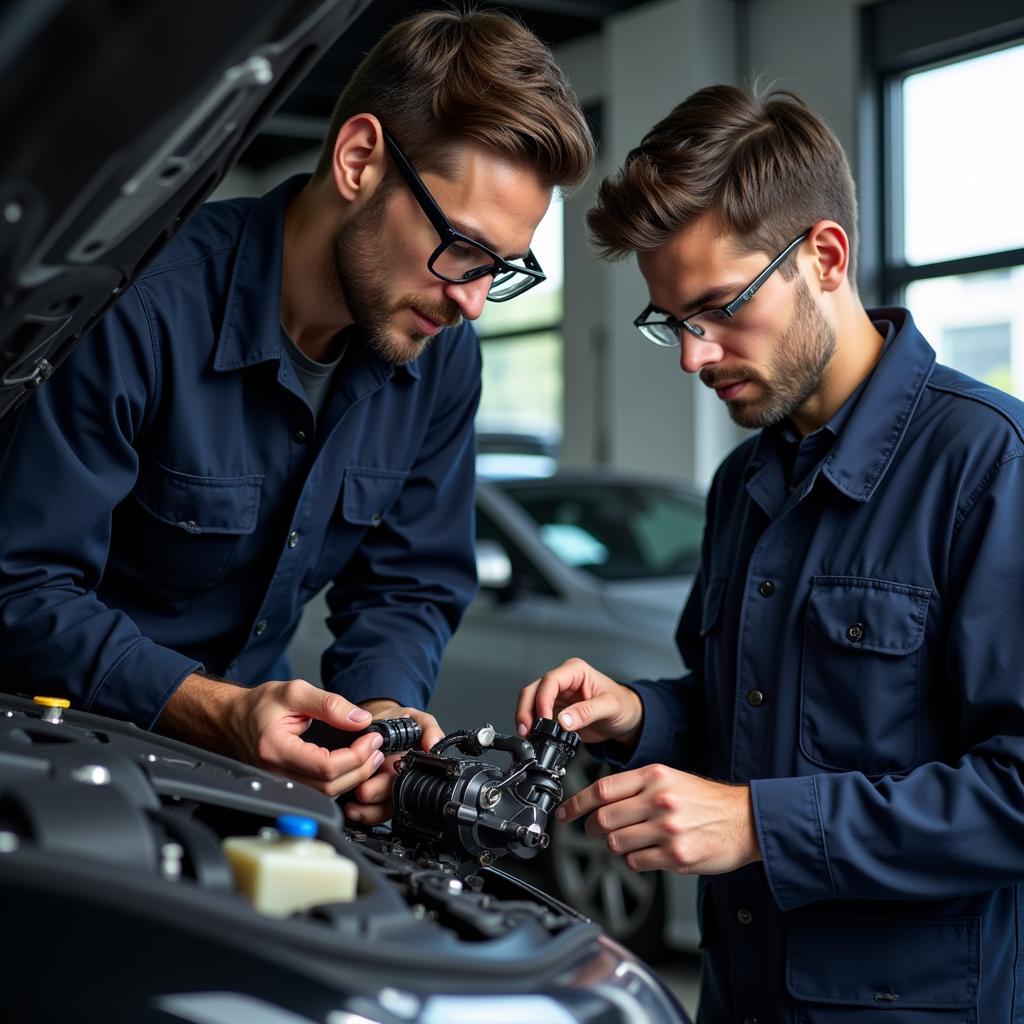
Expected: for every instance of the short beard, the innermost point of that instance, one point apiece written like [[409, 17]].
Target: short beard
[[359, 282], [796, 369]]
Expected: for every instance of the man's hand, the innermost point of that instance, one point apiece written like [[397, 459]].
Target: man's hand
[[585, 700], [372, 803], [263, 725], [662, 819]]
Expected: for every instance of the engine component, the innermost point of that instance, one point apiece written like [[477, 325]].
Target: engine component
[[475, 808]]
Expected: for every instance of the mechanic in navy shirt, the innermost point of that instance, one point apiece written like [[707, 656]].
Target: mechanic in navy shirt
[[844, 760], [285, 400]]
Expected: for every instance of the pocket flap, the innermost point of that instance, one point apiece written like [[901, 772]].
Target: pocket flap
[[199, 504], [884, 963], [713, 596], [369, 493], [868, 615]]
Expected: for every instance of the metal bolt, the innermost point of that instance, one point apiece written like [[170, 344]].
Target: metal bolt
[[9, 842], [255, 785], [419, 911], [289, 785], [12, 213], [8, 714], [152, 758], [52, 715], [92, 774], [172, 854], [455, 885], [485, 859], [485, 736], [489, 796]]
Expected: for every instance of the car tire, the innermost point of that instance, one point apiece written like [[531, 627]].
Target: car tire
[[581, 871]]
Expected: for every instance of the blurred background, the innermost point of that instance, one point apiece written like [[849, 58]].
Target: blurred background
[[594, 448]]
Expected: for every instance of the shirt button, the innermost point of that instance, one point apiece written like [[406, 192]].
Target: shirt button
[[755, 698], [744, 915], [261, 627], [766, 588], [299, 436], [855, 633], [376, 519], [293, 538]]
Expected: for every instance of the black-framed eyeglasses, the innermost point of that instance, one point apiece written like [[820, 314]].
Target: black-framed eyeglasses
[[664, 329], [459, 258]]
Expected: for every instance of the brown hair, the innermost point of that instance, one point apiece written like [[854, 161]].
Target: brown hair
[[443, 77], [767, 167]]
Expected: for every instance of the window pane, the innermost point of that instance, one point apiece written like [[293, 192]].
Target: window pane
[[617, 531], [975, 323], [522, 382], [963, 137], [541, 306]]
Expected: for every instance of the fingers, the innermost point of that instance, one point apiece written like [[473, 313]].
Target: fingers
[[540, 698], [432, 732], [279, 748], [299, 696], [525, 713], [605, 791], [341, 783], [378, 788], [604, 707], [619, 815]]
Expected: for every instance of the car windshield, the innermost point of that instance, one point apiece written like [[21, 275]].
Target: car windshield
[[616, 531]]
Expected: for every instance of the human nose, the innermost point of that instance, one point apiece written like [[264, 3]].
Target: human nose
[[470, 296], [696, 353]]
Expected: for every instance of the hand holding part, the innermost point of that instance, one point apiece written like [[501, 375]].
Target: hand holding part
[[660, 818], [583, 700]]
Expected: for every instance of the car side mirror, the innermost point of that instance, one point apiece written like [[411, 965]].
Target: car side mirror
[[493, 566]]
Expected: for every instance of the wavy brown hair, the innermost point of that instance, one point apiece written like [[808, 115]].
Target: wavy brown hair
[[768, 167], [444, 77]]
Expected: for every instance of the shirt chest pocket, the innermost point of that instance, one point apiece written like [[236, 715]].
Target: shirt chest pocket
[[860, 676], [367, 496], [181, 531]]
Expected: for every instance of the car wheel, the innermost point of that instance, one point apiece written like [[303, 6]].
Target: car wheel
[[584, 873]]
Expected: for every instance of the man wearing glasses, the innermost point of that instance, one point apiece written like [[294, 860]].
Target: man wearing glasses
[[844, 760], [284, 401]]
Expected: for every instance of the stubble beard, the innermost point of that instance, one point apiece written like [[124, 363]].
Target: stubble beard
[[795, 371], [359, 281]]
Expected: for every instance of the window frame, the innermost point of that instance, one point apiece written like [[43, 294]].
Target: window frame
[[899, 37]]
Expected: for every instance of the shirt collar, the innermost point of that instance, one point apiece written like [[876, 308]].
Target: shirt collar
[[251, 330], [873, 422]]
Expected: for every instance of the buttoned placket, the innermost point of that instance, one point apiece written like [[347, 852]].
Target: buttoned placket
[[366, 379]]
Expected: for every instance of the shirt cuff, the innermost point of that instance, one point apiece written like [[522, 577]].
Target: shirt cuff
[[384, 680], [787, 817], [141, 682]]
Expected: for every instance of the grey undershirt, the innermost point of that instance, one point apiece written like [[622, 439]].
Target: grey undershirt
[[314, 376]]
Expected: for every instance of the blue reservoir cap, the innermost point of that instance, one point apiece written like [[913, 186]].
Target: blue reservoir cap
[[296, 825]]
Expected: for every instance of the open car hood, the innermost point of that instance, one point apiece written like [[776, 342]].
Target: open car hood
[[118, 120]]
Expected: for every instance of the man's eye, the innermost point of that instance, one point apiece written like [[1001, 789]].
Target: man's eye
[[463, 252]]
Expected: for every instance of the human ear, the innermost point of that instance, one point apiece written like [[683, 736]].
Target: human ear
[[830, 246], [357, 165]]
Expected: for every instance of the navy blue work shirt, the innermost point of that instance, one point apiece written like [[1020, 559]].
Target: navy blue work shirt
[[169, 502], [856, 653]]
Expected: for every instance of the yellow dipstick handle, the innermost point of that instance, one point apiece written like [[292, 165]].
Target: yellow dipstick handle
[[53, 706]]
